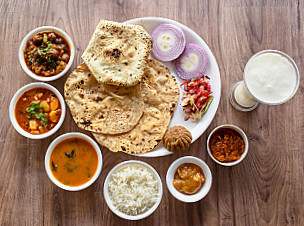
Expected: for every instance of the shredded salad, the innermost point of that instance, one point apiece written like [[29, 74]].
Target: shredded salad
[[196, 97]]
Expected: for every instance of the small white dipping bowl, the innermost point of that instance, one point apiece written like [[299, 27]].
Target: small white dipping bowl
[[51, 148], [109, 201], [203, 190], [239, 131], [17, 96], [33, 33]]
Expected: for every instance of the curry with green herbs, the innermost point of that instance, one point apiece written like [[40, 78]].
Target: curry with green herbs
[[38, 110], [47, 54], [73, 161]]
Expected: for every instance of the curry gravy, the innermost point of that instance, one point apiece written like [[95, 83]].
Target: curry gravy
[[73, 161]]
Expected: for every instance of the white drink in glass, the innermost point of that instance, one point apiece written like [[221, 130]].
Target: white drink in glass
[[270, 77]]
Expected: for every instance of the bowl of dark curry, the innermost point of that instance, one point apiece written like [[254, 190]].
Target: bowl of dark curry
[[46, 53], [227, 145], [37, 110]]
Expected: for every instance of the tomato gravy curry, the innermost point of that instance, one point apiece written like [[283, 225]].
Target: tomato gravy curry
[[38, 110]]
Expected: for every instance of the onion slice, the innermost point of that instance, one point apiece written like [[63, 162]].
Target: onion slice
[[169, 42], [193, 62]]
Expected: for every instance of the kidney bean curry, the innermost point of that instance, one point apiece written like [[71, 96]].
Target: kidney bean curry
[[38, 111], [47, 54]]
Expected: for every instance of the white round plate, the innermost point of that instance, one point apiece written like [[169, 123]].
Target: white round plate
[[196, 128]]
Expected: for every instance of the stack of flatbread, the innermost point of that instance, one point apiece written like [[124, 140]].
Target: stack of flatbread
[[125, 99]]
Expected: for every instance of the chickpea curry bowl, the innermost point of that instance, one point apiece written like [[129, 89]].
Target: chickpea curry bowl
[[46, 53], [37, 110]]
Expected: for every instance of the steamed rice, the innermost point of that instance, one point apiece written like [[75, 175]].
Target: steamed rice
[[133, 189]]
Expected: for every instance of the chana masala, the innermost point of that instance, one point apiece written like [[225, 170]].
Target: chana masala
[[47, 54], [38, 110], [226, 145], [73, 161]]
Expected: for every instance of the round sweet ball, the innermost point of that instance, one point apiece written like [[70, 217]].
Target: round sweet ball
[[177, 138]]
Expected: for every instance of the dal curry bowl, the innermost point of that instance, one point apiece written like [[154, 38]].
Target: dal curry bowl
[[46, 53], [37, 110], [73, 161]]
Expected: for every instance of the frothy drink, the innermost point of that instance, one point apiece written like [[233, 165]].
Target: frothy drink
[[271, 78]]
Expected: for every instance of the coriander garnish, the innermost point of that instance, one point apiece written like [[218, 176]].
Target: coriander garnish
[[44, 51], [33, 111]]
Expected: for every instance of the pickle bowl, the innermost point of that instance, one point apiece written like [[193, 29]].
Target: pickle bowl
[[240, 132]]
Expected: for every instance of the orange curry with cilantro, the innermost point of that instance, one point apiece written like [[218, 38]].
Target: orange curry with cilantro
[[38, 110]]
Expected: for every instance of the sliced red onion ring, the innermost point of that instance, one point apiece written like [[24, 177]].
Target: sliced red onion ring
[[193, 62], [169, 42]]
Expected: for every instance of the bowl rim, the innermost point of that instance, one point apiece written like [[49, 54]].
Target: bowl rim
[[204, 190], [109, 202], [50, 150], [16, 98], [31, 34], [243, 135]]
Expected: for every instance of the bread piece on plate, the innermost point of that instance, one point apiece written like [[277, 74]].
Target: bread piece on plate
[[160, 94], [117, 53], [102, 108]]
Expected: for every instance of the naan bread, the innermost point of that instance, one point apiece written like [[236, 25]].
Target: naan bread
[[102, 108], [117, 53], [160, 94]]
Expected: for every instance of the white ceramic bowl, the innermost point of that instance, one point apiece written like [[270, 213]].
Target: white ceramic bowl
[[109, 201], [15, 99], [243, 135], [204, 189], [49, 152], [31, 34]]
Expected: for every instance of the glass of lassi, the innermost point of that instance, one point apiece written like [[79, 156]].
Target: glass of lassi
[[270, 77]]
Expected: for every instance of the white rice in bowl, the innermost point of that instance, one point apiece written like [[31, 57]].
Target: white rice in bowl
[[133, 189]]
